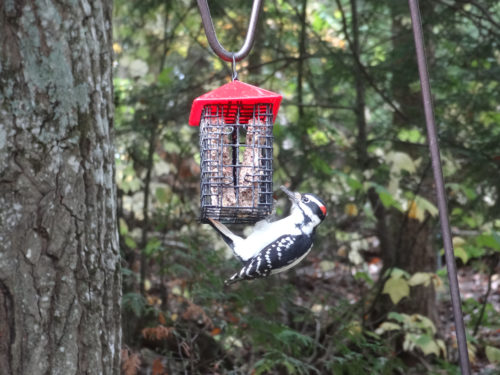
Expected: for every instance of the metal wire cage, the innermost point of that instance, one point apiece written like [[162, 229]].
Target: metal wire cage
[[236, 152], [236, 162]]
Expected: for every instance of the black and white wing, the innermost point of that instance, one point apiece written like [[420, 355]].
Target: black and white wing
[[279, 256]]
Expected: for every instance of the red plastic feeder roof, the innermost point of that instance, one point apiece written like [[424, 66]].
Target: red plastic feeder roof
[[233, 93]]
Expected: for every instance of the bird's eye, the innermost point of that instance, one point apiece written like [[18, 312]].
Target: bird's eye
[[305, 199]]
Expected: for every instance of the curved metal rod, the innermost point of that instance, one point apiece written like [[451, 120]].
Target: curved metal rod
[[212, 37], [418, 36]]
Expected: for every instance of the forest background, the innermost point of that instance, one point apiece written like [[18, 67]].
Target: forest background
[[372, 296]]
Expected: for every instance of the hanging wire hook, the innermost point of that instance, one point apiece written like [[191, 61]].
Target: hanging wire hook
[[233, 66], [212, 37]]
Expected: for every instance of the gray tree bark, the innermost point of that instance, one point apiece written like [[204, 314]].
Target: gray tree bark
[[411, 241], [59, 256]]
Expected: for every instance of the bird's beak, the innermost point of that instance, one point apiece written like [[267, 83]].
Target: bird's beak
[[294, 197]]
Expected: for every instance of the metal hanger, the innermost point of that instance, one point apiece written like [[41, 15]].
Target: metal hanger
[[220, 51]]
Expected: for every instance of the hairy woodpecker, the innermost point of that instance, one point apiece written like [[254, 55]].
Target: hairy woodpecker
[[277, 246]]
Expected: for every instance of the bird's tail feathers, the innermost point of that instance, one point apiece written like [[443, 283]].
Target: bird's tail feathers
[[233, 279], [228, 237]]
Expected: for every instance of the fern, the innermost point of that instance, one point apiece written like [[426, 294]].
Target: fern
[[294, 341], [276, 359], [134, 302]]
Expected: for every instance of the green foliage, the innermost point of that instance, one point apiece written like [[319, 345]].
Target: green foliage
[[488, 318], [163, 62], [418, 333], [135, 303], [275, 360], [493, 354], [398, 284], [397, 288], [362, 353]]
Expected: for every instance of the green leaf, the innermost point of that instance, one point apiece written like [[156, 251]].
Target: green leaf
[[489, 240], [423, 340], [420, 278], [385, 196], [161, 195], [496, 236], [164, 77], [353, 183], [397, 316], [461, 253], [123, 227], [318, 137], [397, 289], [360, 275], [425, 205], [428, 345], [386, 327], [401, 161], [129, 241], [442, 346], [152, 246], [411, 135], [493, 354], [397, 273], [424, 322]]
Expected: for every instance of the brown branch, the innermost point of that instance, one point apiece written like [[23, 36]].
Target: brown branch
[[145, 206], [362, 68], [488, 291], [302, 53]]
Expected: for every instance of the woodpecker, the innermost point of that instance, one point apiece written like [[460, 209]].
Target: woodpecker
[[274, 247]]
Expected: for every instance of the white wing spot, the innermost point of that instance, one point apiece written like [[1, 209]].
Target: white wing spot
[[247, 272], [268, 259]]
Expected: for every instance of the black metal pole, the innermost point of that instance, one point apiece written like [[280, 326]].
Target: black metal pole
[[440, 192]]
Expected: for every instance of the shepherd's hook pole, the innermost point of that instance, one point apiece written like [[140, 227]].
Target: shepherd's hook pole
[[440, 191]]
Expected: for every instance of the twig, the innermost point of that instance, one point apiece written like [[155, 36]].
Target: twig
[[362, 68], [488, 291], [145, 205]]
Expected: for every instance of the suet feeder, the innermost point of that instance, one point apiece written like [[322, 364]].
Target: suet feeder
[[236, 148]]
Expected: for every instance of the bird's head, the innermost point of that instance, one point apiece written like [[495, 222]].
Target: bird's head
[[310, 206]]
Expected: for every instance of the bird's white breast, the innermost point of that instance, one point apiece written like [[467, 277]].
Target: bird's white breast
[[264, 234]]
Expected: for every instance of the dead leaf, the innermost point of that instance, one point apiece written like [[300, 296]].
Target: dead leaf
[[130, 362], [157, 333], [157, 368], [351, 209], [161, 318]]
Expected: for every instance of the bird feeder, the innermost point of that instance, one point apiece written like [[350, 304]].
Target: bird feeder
[[236, 152]]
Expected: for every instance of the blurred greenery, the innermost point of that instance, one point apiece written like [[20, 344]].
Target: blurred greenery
[[350, 129]]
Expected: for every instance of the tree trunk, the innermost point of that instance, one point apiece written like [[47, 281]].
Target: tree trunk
[[413, 249], [59, 256]]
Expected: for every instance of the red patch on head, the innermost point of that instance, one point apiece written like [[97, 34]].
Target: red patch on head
[[323, 209]]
